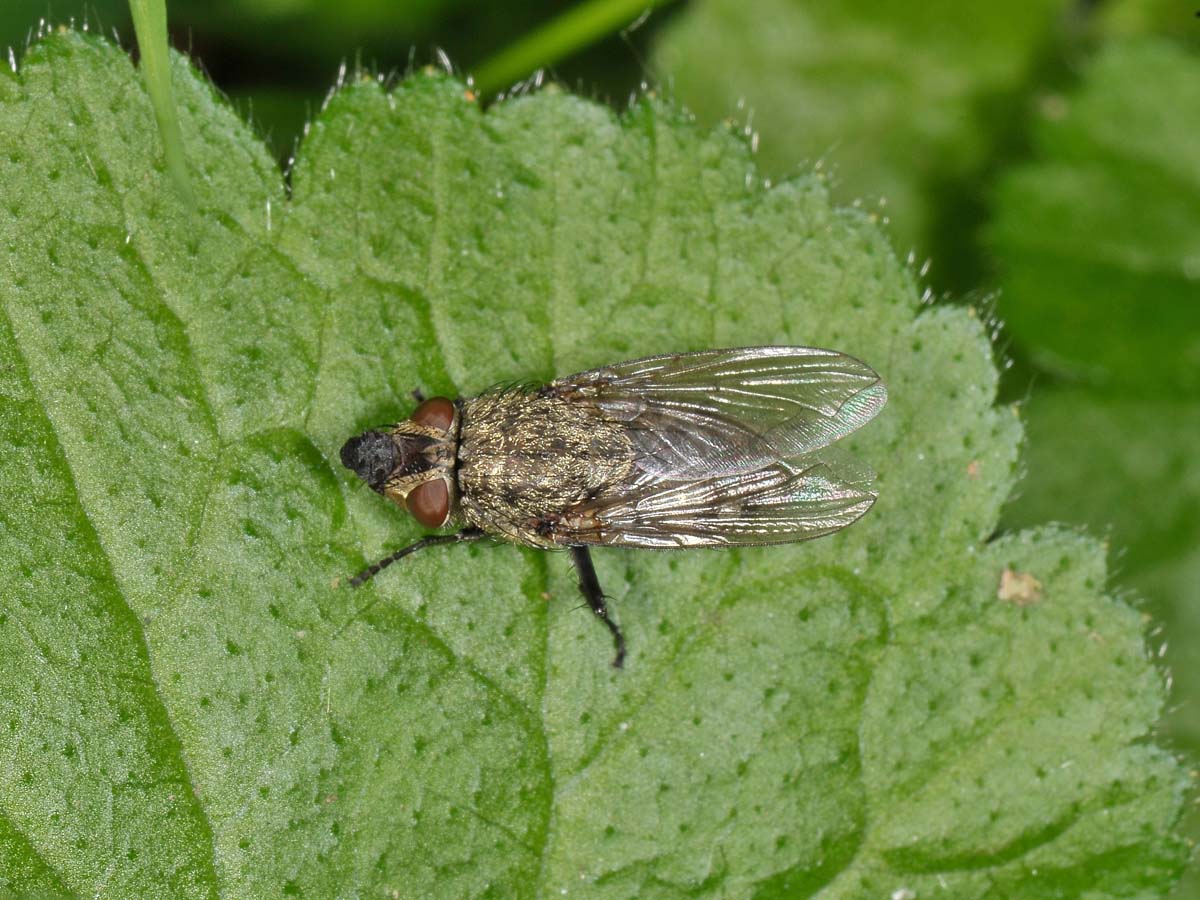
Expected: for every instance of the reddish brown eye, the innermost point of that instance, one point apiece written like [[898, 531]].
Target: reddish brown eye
[[436, 412], [429, 503]]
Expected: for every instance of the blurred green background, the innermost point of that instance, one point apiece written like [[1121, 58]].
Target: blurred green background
[[1039, 160]]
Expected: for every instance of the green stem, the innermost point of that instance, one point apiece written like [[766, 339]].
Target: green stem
[[558, 38], [150, 24]]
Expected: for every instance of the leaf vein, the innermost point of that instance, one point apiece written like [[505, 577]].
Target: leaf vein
[[135, 622]]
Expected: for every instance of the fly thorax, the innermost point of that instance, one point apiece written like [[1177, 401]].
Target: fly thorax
[[526, 458]]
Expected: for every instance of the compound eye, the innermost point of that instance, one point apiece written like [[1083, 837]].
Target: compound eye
[[436, 412], [429, 503]]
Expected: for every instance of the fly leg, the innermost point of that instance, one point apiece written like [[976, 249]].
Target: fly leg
[[589, 586], [432, 540]]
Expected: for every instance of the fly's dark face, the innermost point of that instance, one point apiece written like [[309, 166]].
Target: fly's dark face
[[412, 462], [373, 456]]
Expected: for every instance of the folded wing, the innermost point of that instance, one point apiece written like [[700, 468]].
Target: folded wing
[[780, 503], [721, 412], [733, 447]]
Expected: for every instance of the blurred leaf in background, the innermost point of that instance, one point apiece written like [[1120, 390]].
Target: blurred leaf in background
[[1098, 238], [277, 58], [1097, 243], [194, 708], [319, 26], [1138, 18], [914, 102]]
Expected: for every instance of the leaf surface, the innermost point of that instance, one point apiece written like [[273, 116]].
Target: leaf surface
[[198, 709]]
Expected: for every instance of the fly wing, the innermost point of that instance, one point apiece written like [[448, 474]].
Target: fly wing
[[781, 503], [718, 412]]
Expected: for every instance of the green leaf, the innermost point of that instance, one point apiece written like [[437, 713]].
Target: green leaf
[[1136, 18], [196, 708], [1097, 239], [1127, 467], [908, 101], [1098, 244]]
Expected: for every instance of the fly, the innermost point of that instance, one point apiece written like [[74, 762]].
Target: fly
[[721, 448]]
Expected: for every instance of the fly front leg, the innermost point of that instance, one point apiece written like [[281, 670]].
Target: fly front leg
[[432, 540], [589, 586]]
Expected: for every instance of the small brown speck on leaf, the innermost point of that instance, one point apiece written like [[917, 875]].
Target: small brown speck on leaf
[[973, 469], [1053, 107], [1020, 588]]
